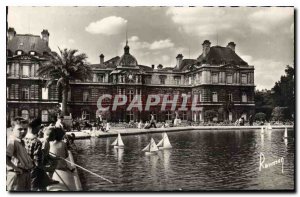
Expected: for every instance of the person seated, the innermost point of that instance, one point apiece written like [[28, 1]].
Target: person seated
[[49, 161], [58, 148]]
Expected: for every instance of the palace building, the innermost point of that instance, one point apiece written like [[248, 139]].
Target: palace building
[[25, 92], [223, 82]]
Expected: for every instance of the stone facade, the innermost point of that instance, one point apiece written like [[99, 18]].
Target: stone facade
[[222, 81]]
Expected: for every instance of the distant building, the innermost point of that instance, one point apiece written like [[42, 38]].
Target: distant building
[[26, 93], [222, 81]]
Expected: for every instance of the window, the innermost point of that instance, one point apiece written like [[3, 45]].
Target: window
[[25, 93], [177, 80], [19, 52], [244, 97], [32, 53], [32, 70], [162, 79], [25, 114], [85, 96], [25, 71], [53, 93], [44, 93], [190, 80], [229, 78], [215, 78], [214, 97], [101, 78], [244, 79], [7, 92], [230, 97], [14, 91], [169, 115], [44, 116], [130, 95], [130, 115], [200, 97], [184, 115]]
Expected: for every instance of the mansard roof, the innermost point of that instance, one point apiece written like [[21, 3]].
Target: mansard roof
[[27, 43], [221, 55]]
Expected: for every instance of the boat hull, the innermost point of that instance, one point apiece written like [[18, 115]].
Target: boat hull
[[151, 153]]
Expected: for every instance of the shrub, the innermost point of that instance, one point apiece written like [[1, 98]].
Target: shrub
[[260, 116]]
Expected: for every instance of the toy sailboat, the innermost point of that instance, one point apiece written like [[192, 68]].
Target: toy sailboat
[[151, 147], [164, 142], [118, 143]]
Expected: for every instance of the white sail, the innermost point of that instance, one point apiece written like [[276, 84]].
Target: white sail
[[115, 142], [146, 149], [160, 143], [153, 146], [166, 142], [285, 133], [120, 141]]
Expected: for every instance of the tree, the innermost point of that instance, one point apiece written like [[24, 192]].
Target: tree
[[61, 68], [280, 113], [260, 116], [284, 92]]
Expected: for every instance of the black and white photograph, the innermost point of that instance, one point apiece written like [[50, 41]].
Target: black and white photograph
[[150, 99]]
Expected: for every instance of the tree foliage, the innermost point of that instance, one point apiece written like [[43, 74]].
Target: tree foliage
[[281, 95], [60, 69], [260, 116]]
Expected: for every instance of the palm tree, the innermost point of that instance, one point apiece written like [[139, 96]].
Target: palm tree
[[62, 68]]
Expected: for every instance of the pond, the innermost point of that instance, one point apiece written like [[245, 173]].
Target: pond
[[199, 160]]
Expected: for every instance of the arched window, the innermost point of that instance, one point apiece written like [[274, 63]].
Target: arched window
[[25, 114], [44, 116]]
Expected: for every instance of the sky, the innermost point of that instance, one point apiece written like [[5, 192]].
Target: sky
[[264, 36]]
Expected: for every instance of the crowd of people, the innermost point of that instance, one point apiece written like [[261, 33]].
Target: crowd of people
[[34, 153]]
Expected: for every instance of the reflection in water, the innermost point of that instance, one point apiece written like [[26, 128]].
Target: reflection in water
[[199, 160], [262, 139], [118, 153], [107, 145], [286, 141]]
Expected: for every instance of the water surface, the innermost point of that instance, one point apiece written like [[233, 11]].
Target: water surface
[[199, 160]]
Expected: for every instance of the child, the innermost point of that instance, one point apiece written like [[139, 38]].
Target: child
[[49, 161], [18, 162], [59, 149]]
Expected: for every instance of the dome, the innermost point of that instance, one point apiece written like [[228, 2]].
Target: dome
[[127, 59]]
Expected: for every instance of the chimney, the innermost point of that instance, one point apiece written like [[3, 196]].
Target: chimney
[[152, 66], [101, 58], [179, 60], [231, 45], [11, 33], [206, 47], [45, 35]]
